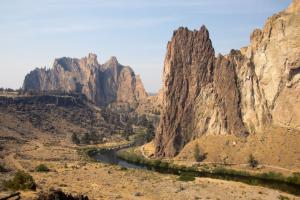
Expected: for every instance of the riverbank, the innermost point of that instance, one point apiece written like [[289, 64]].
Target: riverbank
[[73, 174], [270, 179], [87, 152]]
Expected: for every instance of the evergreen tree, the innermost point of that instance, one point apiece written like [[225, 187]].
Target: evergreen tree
[[75, 139]]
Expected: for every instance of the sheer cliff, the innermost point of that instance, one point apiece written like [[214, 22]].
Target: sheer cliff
[[102, 84], [239, 93]]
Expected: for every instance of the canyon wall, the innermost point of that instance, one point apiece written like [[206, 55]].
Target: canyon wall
[[239, 93], [102, 84]]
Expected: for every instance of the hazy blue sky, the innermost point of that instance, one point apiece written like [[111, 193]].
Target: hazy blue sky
[[34, 32]]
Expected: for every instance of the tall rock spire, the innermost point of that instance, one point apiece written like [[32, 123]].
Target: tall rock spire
[[240, 93]]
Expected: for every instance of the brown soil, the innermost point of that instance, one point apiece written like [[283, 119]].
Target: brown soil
[[276, 149], [73, 174], [24, 146]]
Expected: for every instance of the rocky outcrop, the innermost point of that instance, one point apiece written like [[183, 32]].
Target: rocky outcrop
[[151, 105], [140, 91], [69, 116], [47, 99], [239, 93], [102, 84], [200, 94], [59, 195], [275, 53]]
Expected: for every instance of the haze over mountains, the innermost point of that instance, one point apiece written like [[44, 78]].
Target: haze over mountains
[[92, 131], [240, 93], [102, 84]]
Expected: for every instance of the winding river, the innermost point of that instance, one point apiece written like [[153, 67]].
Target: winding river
[[110, 157]]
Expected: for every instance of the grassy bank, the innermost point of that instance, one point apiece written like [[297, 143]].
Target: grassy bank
[[130, 156], [217, 172], [270, 176], [87, 152]]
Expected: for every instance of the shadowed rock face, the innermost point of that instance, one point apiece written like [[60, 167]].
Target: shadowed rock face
[[228, 96], [102, 84], [200, 93], [239, 93]]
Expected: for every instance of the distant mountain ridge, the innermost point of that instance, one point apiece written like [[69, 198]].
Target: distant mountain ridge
[[102, 84]]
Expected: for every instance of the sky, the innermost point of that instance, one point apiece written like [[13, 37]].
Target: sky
[[35, 32]]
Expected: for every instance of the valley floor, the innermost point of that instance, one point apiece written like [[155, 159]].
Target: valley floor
[[29, 140], [75, 174]]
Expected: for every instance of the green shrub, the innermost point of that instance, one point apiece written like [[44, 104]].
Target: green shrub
[[164, 165], [123, 168], [198, 155], [295, 178], [20, 181], [127, 132], [2, 168], [191, 168], [75, 139], [252, 161], [173, 166], [281, 197], [156, 162], [150, 132], [222, 170], [130, 157], [42, 168], [186, 176], [272, 176]]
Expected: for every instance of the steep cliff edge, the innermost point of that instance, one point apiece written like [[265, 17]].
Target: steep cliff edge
[[275, 53], [102, 84], [240, 93]]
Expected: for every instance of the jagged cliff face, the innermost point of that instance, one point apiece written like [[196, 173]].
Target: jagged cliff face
[[200, 94], [102, 84], [275, 53], [239, 93]]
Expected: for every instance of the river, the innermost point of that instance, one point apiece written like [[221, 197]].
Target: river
[[110, 157]]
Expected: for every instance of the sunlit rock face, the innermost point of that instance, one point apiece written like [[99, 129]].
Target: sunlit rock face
[[102, 84], [239, 93]]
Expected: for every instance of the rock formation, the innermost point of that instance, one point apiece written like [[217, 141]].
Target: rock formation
[[69, 116], [59, 195], [102, 84], [239, 93], [151, 104]]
